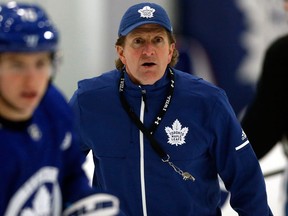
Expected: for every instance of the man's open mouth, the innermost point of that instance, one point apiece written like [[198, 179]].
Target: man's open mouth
[[148, 64]]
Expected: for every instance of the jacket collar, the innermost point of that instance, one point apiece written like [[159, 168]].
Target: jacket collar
[[165, 80]]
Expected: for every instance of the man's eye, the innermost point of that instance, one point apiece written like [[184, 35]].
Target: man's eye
[[158, 40], [16, 65], [138, 41], [40, 64]]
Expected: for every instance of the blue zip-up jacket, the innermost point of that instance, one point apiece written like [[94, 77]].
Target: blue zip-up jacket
[[199, 131]]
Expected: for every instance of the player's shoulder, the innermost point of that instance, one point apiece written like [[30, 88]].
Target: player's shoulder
[[105, 80], [55, 104], [54, 96], [196, 85]]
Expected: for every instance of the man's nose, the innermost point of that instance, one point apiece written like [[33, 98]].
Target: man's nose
[[148, 49]]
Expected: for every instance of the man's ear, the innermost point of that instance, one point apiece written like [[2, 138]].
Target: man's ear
[[120, 51], [171, 51]]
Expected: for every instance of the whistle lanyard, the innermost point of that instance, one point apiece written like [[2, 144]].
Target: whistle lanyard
[[149, 132]]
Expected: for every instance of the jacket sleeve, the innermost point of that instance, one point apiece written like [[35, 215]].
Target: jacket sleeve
[[84, 146], [236, 162]]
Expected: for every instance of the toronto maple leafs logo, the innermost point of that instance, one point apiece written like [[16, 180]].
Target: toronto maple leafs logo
[[146, 12], [41, 204], [176, 134], [40, 195]]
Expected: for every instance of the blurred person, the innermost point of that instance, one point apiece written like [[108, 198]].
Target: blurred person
[[160, 136], [265, 120], [40, 164], [220, 42]]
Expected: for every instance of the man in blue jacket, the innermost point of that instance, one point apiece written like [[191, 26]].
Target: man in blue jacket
[[161, 137], [40, 164]]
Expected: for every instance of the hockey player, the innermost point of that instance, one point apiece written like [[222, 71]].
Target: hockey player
[[40, 164], [159, 136]]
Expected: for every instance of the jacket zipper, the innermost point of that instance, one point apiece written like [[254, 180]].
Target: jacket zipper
[[142, 171]]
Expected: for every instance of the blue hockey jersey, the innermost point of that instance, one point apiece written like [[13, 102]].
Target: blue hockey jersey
[[199, 131], [40, 164]]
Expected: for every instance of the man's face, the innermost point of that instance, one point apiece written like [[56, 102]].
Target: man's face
[[146, 53], [23, 81]]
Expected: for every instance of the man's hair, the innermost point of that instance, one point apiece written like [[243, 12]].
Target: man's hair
[[121, 42]]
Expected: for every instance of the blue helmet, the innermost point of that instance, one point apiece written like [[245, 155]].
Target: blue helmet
[[26, 28]]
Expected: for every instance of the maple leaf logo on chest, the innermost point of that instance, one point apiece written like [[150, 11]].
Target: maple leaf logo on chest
[[176, 134]]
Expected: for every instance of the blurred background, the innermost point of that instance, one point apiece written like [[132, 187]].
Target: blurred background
[[222, 41]]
